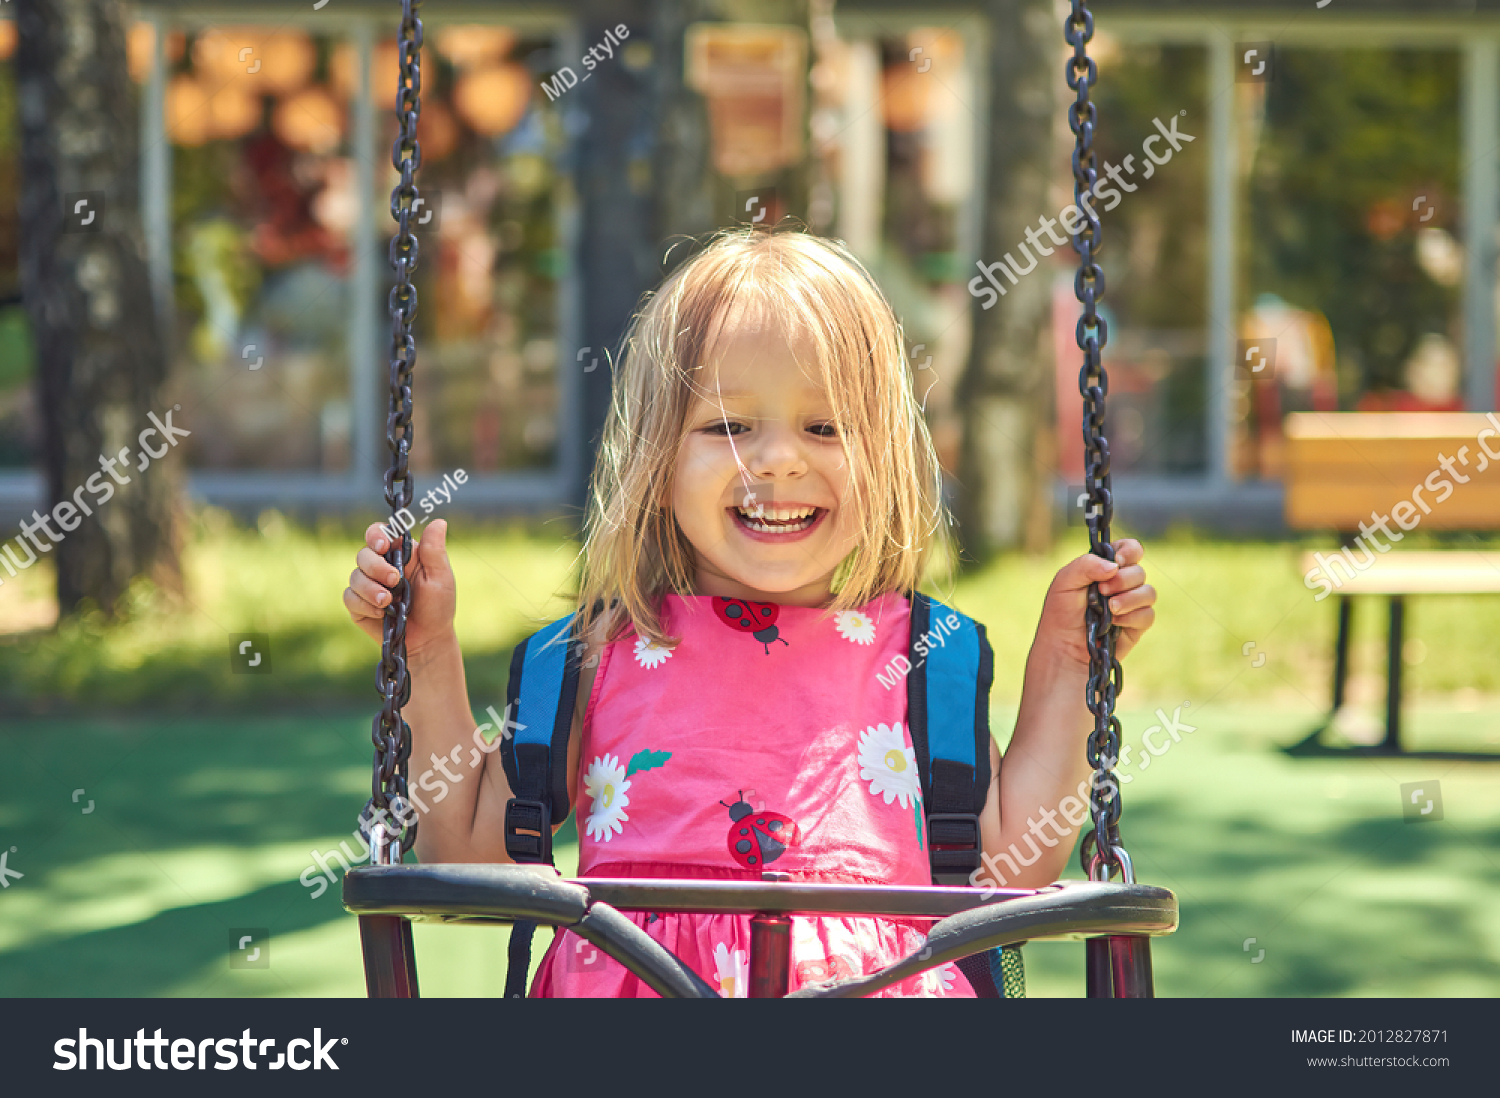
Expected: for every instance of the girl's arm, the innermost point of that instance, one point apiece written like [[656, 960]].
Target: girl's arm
[[469, 824], [442, 733], [464, 816], [485, 837], [1045, 762]]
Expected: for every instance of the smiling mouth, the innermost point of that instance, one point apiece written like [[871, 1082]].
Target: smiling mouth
[[763, 520]]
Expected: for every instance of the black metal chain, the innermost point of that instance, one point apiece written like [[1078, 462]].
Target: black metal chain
[[390, 733], [1105, 679]]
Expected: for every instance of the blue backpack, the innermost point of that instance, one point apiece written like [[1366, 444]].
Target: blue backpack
[[950, 668]]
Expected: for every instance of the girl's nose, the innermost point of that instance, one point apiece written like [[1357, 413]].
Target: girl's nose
[[776, 451]]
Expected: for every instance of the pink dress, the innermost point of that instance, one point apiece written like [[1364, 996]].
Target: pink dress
[[767, 739]]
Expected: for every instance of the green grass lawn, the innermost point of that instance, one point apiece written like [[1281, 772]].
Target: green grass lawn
[[212, 789]]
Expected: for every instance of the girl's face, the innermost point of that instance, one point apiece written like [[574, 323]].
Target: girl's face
[[762, 426]]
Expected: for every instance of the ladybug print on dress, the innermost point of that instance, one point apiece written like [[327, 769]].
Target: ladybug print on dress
[[758, 837], [756, 618], [831, 969]]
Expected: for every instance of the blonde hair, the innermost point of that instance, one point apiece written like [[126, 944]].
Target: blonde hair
[[799, 284]]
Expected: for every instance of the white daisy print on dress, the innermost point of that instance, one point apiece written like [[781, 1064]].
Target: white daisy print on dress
[[855, 627], [935, 981], [889, 765], [606, 784], [650, 655], [939, 981], [732, 970]]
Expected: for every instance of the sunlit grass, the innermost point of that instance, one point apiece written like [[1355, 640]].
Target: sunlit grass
[[279, 579], [1214, 597], [286, 580]]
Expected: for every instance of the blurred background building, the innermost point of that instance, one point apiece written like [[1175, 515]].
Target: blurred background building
[[1339, 203]]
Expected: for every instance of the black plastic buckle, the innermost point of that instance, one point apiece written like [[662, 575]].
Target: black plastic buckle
[[953, 846], [953, 829], [533, 816]]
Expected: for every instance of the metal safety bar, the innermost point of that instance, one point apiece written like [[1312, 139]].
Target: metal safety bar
[[968, 921]]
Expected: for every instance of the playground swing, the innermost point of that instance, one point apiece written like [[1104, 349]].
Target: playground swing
[[979, 930]]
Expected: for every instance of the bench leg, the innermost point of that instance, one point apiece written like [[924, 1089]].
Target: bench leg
[[1341, 651], [1393, 677]]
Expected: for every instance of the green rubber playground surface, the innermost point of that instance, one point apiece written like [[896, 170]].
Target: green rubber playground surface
[[201, 829]]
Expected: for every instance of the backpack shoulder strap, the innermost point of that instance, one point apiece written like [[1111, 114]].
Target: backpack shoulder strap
[[539, 702], [948, 714]]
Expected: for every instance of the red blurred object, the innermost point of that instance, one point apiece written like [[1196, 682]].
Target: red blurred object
[[1399, 400], [1069, 360], [1384, 219], [288, 232]]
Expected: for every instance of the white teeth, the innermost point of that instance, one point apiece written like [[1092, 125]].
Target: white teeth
[[790, 526], [778, 514]]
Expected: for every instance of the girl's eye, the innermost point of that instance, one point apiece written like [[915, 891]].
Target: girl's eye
[[721, 428]]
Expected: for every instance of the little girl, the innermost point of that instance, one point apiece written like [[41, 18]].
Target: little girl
[[763, 444]]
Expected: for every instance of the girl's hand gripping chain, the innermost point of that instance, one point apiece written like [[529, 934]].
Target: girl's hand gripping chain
[[434, 593], [1123, 582]]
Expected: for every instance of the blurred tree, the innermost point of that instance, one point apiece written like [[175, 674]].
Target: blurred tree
[[1360, 156], [101, 362], [1009, 445], [1155, 256], [691, 197], [645, 175], [620, 188]]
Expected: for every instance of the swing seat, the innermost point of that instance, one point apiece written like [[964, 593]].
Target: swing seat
[[388, 898]]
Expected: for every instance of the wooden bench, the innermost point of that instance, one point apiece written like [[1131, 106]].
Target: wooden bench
[[1346, 471]]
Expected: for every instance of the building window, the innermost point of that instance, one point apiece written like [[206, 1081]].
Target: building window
[[265, 204], [492, 260], [1350, 253], [1155, 264], [262, 207]]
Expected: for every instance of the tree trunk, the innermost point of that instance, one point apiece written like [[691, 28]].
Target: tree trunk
[[645, 173], [615, 266], [1008, 456], [684, 185], [101, 363], [691, 198]]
